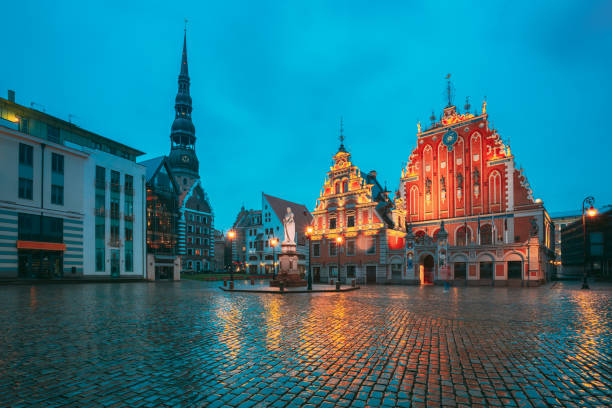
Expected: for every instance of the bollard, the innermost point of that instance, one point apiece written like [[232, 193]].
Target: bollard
[[224, 282], [331, 281], [281, 286], [337, 285], [231, 285]]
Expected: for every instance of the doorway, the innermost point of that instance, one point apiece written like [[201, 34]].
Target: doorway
[[515, 270], [40, 264], [316, 274], [115, 263], [428, 270], [371, 274]]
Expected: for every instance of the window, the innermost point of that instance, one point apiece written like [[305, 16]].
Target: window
[[129, 264], [345, 186], [57, 194], [190, 228], [464, 236], [100, 203], [100, 228], [198, 241], [350, 271], [129, 184], [332, 223], [100, 177], [350, 221], [370, 245], [338, 187], [115, 181], [26, 153], [486, 270], [350, 247], [333, 250], [23, 125], [99, 259], [25, 188], [316, 249], [129, 233], [43, 229], [189, 251], [128, 208], [53, 134], [206, 242], [57, 163], [205, 220], [114, 208], [486, 235], [114, 233]]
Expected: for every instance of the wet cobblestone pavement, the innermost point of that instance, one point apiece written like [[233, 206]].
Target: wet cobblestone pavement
[[190, 344]]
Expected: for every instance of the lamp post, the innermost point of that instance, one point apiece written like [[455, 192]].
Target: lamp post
[[339, 241], [274, 243], [309, 231], [591, 212], [231, 235]]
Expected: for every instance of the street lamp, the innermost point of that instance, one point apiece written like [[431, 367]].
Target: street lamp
[[339, 241], [231, 235], [309, 231], [591, 212], [274, 243]]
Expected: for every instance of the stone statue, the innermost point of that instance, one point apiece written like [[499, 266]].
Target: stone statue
[[289, 226], [534, 228], [476, 177]]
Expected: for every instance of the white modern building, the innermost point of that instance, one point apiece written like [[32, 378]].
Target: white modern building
[[72, 202]]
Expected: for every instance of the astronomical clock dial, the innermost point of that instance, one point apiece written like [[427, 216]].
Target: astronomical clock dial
[[449, 139], [185, 158], [341, 162]]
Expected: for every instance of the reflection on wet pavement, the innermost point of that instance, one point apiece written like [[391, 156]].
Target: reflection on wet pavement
[[190, 344]]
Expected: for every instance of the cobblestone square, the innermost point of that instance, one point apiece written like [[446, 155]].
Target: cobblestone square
[[190, 344]]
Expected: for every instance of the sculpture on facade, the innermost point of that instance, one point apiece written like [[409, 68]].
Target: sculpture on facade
[[289, 226]]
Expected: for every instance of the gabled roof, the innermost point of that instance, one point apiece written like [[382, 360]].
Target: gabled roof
[[301, 215], [152, 165]]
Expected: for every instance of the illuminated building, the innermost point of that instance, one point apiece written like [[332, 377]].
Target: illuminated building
[[354, 206], [163, 261], [256, 230], [72, 202], [461, 184], [560, 221]]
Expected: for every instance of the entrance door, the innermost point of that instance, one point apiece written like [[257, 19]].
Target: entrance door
[[515, 270], [316, 274], [115, 263], [25, 266], [460, 270], [428, 270], [371, 274]]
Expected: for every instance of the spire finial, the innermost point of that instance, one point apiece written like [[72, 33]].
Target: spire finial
[[186, 25], [341, 137], [467, 104], [449, 91]]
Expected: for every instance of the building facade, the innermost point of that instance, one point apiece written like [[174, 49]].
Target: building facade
[[72, 202], [461, 181], [589, 253], [163, 261], [354, 206], [560, 221], [256, 230]]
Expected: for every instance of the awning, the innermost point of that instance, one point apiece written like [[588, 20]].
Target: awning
[[44, 246]]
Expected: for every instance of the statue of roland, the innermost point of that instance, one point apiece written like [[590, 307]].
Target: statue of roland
[[289, 225]]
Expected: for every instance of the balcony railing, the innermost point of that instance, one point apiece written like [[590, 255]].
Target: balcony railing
[[99, 212], [115, 214]]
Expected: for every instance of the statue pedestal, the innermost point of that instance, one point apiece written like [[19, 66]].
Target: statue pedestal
[[288, 272]]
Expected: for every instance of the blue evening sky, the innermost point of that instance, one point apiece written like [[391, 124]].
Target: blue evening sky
[[270, 80]]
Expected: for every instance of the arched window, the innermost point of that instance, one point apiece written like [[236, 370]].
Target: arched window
[[486, 234], [435, 235], [495, 188], [345, 186], [414, 200], [464, 236], [337, 187]]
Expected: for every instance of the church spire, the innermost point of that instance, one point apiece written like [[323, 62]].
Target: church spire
[[341, 149], [182, 135]]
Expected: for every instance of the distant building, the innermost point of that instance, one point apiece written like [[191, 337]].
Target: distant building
[[196, 218], [163, 261], [72, 202], [461, 181], [219, 262], [560, 221], [594, 253], [255, 230]]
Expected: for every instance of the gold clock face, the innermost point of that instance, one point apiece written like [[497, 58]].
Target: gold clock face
[[185, 158]]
